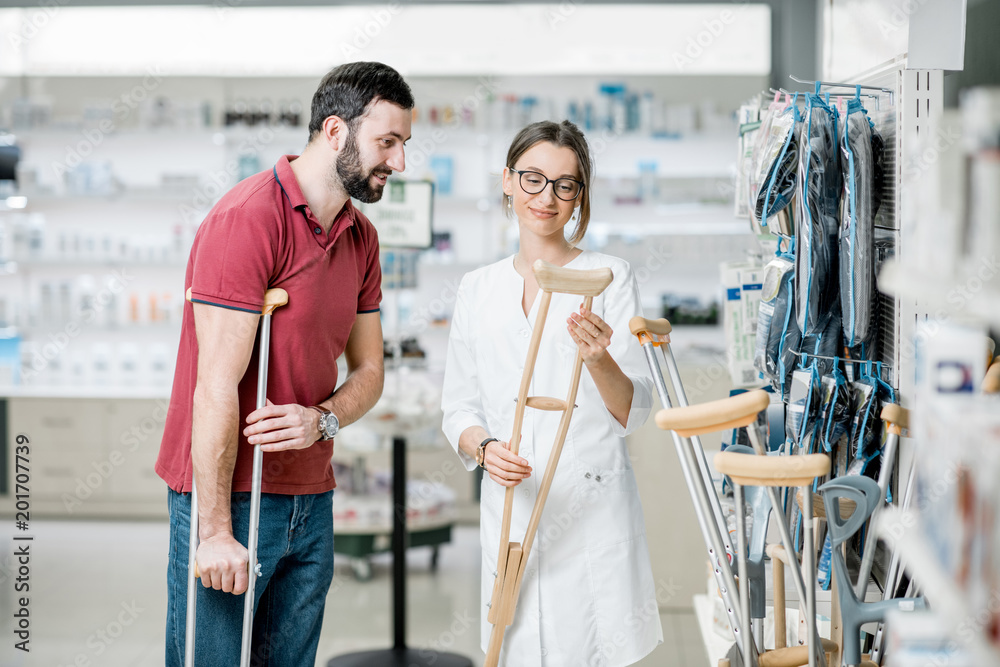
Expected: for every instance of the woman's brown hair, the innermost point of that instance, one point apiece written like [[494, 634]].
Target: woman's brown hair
[[563, 135]]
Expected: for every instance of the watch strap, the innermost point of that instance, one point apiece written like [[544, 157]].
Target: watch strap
[[481, 452]]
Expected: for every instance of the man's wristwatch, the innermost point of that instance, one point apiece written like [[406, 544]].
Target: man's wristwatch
[[328, 424], [481, 452]]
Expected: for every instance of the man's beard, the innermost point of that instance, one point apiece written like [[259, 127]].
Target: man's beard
[[355, 182]]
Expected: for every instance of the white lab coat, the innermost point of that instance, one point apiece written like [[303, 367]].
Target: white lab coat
[[587, 598]]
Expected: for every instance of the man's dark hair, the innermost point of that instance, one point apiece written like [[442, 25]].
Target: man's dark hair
[[347, 91]]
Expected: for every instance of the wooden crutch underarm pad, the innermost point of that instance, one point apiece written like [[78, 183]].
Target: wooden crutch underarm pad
[[732, 412], [819, 509], [991, 383], [754, 470], [792, 656], [552, 278], [273, 299], [896, 414], [638, 325]]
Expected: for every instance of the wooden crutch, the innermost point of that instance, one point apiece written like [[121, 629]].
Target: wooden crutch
[[513, 555], [273, 299]]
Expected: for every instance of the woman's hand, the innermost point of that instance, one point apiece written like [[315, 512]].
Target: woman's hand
[[591, 334], [504, 466], [280, 427]]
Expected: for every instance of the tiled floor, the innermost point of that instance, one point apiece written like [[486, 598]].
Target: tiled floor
[[97, 597]]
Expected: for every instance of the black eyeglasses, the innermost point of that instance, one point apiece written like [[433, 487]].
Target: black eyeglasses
[[533, 183]]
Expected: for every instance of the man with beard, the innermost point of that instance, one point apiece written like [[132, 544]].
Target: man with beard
[[294, 227]]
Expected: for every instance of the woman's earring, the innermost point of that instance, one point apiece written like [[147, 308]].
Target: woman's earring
[[576, 215], [510, 203]]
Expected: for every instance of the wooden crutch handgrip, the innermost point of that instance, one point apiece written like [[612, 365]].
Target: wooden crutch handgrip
[[638, 325], [897, 417], [545, 403], [792, 656], [991, 383], [552, 278], [733, 412], [819, 509], [752, 470]]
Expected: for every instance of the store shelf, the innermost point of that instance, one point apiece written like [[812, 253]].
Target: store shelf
[[75, 262], [967, 292], [905, 536], [716, 647], [87, 391]]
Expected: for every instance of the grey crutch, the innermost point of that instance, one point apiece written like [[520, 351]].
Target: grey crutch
[[273, 299]]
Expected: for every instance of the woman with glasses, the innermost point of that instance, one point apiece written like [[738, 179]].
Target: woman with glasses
[[587, 597]]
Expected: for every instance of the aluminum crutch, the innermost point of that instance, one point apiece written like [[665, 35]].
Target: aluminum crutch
[[513, 556], [897, 421], [716, 537], [638, 325], [771, 471], [273, 299]]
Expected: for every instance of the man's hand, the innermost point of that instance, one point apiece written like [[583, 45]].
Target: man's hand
[[280, 427], [222, 564]]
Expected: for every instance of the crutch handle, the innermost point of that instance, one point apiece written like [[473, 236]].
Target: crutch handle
[[197, 574], [897, 417], [273, 299], [552, 278], [733, 412], [991, 383], [639, 325], [799, 470]]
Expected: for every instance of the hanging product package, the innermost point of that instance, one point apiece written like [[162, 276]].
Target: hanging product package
[[837, 421], [866, 431], [803, 409], [776, 174], [859, 143], [818, 192], [824, 342], [777, 335]]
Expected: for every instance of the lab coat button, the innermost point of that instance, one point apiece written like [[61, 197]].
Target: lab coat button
[[545, 651], [598, 478], [524, 333], [587, 475]]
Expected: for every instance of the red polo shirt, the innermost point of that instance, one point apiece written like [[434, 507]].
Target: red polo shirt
[[262, 235]]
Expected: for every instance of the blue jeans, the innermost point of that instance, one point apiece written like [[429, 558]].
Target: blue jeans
[[295, 552]]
